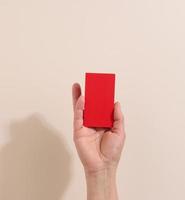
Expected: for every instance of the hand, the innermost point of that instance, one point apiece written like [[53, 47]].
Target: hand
[[98, 148]]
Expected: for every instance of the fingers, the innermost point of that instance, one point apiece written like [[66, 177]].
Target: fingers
[[78, 106], [76, 92], [78, 113], [118, 125]]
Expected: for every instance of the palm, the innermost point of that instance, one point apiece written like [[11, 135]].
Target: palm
[[97, 147]]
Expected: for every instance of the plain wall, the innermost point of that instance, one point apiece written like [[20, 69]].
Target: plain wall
[[45, 46]]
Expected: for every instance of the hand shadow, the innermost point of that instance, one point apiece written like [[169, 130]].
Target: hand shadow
[[35, 164]]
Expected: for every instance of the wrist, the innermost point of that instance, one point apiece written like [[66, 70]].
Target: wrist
[[107, 171], [101, 185]]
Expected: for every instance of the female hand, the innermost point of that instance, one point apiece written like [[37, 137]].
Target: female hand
[[98, 148]]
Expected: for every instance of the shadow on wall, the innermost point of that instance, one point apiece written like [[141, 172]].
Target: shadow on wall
[[35, 164]]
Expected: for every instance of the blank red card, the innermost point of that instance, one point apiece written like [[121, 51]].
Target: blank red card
[[99, 100]]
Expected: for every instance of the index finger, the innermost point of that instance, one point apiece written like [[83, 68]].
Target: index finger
[[76, 93]]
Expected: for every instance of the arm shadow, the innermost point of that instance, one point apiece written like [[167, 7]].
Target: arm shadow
[[36, 163]]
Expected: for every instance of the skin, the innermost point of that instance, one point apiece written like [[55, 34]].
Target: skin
[[99, 150]]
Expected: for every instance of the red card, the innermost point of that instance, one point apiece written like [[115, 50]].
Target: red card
[[99, 100]]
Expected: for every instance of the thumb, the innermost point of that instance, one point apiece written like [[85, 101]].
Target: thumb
[[118, 119]]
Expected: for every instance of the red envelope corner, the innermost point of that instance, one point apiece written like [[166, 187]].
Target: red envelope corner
[[99, 100]]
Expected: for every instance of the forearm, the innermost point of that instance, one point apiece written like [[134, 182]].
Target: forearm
[[101, 185]]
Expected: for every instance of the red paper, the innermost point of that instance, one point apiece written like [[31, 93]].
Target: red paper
[[99, 100]]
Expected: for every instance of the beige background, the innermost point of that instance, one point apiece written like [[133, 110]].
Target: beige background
[[45, 46]]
